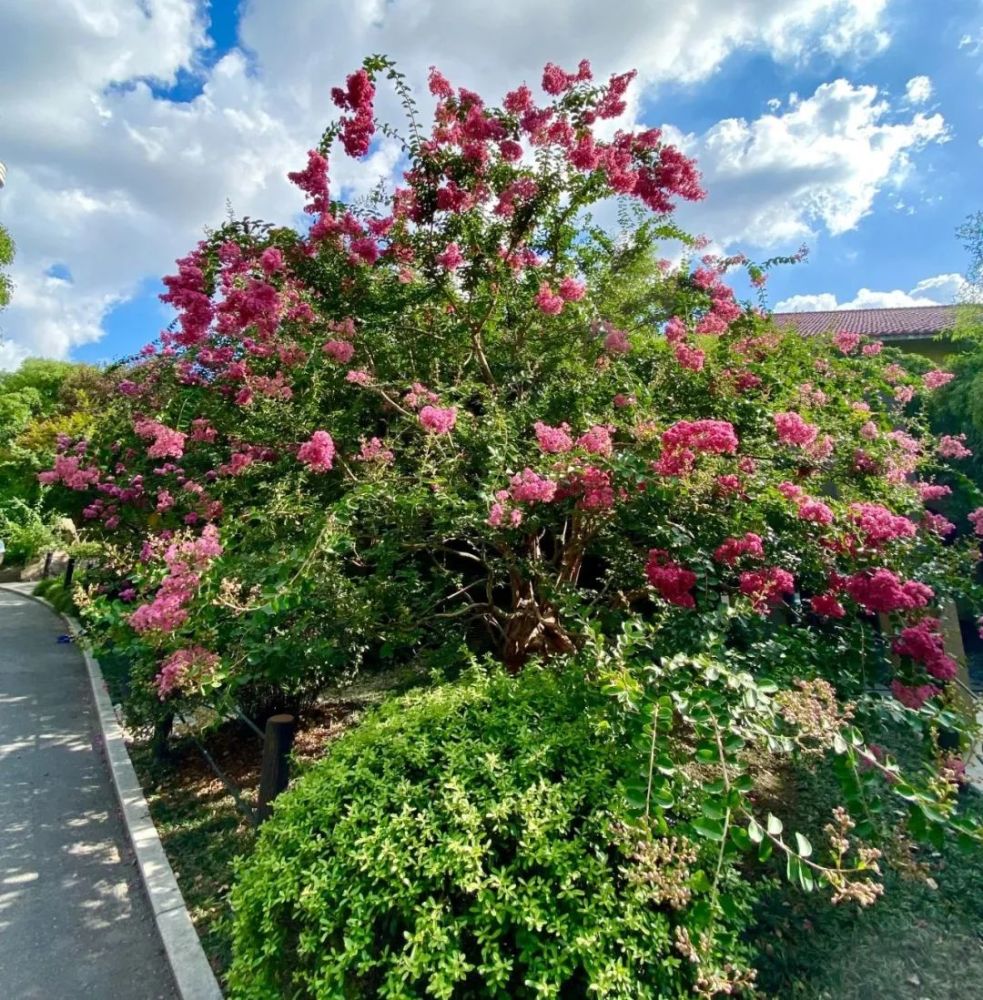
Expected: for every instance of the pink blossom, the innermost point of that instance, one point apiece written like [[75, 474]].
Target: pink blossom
[[572, 290], [339, 350], [827, 605], [438, 420], [673, 581], [676, 330], [553, 440], [616, 341], [733, 548], [846, 342], [529, 487], [913, 697], [358, 377], [881, 591], [872, 350], [932, 491], [952, 446], [193, 664], [597, 440], [766, 587], [904, 394], [976, 519], [937, 524], [318, 452], [596, 490], [877, 525], [936, 379], [167, 443], [451, 258], [716, 437], [923, 643], [729, 484], [373, 450], [792, 429], [815, 511], [689, 357], [621, 401], [547, 301]]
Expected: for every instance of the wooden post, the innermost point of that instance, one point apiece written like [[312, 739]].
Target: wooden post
[[47, 565], [276, 764], [69, 571]]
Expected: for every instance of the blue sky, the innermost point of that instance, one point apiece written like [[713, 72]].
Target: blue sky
[[153, 117]]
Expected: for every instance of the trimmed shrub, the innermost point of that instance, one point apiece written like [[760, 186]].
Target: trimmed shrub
[[464, 842]]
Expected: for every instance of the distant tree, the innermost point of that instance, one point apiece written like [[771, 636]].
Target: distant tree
[[6, 259]]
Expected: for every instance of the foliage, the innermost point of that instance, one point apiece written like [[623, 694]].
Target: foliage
[[6, 259], [462, 843], [41, 402], [464, 419]]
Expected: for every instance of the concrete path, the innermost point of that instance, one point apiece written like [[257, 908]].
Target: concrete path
[[74, 921]]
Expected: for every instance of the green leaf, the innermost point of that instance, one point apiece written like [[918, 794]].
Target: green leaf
[[839, 744], [775, 826], [802, 844], [708, 828], [699, 881], [754, 831]]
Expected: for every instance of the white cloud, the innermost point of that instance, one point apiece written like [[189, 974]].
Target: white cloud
[[918, 89], [942, 289], [114, 182], [822, 162]]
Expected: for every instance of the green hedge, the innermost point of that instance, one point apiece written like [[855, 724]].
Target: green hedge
[[463, 842]]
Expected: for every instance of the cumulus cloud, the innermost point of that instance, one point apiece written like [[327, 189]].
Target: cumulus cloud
[[918, 89], [821, 163], [112, 180], [942, 289]]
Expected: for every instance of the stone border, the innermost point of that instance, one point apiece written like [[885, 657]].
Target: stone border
[[193, 975]]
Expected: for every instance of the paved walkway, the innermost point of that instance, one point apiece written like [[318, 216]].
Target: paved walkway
[[74, 921]]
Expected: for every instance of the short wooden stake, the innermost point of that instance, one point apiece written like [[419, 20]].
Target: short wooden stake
[[69, 571], [47, 566], [276, 762]]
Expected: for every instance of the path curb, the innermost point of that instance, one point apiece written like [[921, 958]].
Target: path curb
[[193, 975]]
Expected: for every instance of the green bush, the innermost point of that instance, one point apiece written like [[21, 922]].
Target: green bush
[[25, 532], [464, 842]]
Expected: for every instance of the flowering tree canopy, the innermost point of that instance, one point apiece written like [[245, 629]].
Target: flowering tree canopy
[[462, 417]]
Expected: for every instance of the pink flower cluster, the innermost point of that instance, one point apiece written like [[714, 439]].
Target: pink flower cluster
[[530, 487], [913, 697], [975, 518], [69, 471], [793, 430], [733, 549], [192, 664], [437, 419], [358, 129], [766, 587], [373, 450], [846, 342], [167, 443], [827, 605], [553, 440], [683, 440], [932, 491], [551, 303], [815, 511], [597, 440], [317, 453], [185, 561], [937, 524], [673, 581], [689, 357], [923, 643], [953, 446], [936, 379], [881, 591], [877, 525]]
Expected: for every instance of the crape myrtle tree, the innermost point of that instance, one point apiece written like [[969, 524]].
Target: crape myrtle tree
[[462, 419]]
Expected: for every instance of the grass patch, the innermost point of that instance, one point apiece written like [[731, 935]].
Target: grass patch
[[53, 590]]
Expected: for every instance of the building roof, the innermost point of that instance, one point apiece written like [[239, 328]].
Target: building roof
[[885, 324]]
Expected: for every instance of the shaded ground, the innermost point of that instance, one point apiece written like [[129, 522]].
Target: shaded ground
[[74, 921], [200, 825]]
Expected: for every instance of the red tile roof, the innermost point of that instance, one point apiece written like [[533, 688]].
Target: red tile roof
[[912, 321]]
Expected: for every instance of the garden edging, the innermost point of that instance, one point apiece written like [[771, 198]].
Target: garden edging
[[193, 975]]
